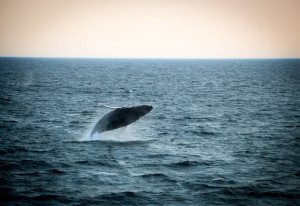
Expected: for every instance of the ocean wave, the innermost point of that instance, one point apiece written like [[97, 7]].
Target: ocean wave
[[96, 163], [10, 166], [197, 186], [203, 132], [111, 142], [16, 149], [155, 175], [159, 155], [27, 173], [123, 198], [188, 163], [57, 171], [34, 163], [160, 177], [36, 199], [260, 192], [87, 113], [3, 152]]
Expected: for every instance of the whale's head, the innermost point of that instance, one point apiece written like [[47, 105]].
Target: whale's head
[[142, 110]]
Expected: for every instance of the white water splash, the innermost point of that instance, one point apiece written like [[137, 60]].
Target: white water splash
[[121, 135]]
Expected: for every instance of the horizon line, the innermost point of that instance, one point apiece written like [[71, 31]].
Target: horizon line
[[145, 58]]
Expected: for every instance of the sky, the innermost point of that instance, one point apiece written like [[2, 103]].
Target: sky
[[150, 28]]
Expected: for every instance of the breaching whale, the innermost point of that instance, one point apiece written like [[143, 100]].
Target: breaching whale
[[120, 117]]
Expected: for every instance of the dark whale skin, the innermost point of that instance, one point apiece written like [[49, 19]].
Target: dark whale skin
[[120, 117]]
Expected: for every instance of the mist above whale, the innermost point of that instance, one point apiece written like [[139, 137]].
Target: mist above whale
[[120, 117]]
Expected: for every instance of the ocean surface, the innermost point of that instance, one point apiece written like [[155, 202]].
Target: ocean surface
[[221, 132]]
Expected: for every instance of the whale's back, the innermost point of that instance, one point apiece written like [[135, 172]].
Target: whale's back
[[120, 117]]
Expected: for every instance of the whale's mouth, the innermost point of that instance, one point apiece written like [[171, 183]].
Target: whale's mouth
[[145, 109], [149, 108]]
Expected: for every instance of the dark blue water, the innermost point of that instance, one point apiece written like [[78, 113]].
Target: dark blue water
[[222, 132]]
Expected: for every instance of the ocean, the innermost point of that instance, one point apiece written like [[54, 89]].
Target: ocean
[[221, 132]]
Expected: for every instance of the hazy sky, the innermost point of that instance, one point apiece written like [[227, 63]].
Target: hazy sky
[[150, 28]]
